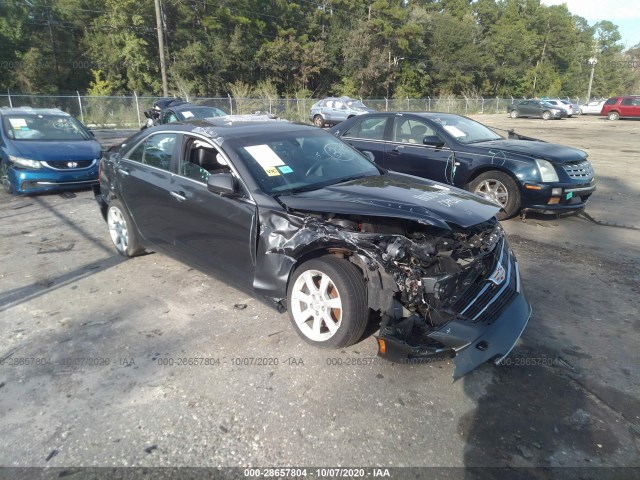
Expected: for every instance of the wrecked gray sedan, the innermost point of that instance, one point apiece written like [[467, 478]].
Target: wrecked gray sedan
[[307, 223]]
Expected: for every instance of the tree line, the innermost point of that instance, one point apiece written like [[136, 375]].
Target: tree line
[[312, 48]]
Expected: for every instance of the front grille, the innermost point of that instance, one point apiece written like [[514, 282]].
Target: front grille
[[485, 301], [69, 164], [580, 170]]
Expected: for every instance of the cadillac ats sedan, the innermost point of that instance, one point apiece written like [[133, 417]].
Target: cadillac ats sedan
[[308, 224]]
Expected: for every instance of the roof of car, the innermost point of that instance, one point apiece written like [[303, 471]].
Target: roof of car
[[232, 126], [31, 111], [188, 106]]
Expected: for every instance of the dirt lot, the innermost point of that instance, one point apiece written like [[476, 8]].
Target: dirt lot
[[93, 348]]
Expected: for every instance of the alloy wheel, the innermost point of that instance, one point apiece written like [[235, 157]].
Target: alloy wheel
[[118, 229], [493, 190], [316, 305]]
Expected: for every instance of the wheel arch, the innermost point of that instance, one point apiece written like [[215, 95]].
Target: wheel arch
[[489, 168]]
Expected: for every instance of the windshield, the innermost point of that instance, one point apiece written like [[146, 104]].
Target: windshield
[[44, 127], [300, 161], [202, 112], [465, 130]]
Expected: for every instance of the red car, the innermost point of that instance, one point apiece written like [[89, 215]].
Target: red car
[[621, 107]]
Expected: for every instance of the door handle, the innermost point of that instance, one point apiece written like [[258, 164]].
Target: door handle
[[179, 197], [123, 171], [394, 152]]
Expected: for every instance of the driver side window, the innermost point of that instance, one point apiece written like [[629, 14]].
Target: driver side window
[[406, 130]]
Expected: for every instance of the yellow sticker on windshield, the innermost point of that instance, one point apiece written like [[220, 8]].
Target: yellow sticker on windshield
[[271, 171]]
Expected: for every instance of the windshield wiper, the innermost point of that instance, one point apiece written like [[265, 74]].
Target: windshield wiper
[[348, 179]]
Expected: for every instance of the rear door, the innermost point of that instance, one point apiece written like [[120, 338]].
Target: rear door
[[144, 174], [630, 107], [406, 152], [210, 231], [368, 136]]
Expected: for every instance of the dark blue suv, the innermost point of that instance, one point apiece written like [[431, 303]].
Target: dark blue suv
[[45, 149]]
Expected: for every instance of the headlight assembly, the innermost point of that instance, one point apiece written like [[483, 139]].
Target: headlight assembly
[[547, 172], [25, 162]]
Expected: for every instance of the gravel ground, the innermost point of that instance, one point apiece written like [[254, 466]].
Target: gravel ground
[[93, 347]]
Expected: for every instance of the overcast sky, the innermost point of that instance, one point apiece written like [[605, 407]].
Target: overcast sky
[[624, 13]]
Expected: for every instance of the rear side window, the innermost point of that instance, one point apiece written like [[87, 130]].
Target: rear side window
[[371, 128], [611, 101], [155, 151]]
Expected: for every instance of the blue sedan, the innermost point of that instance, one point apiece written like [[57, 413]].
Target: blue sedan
[[518, 174], [45, 149]]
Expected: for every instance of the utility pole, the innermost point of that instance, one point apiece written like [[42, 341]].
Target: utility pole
[[592, 61], [163, 66]]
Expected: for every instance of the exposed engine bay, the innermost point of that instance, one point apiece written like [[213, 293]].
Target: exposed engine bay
[[420, 278]]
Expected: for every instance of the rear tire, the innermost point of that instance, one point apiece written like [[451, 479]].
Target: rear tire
[[318, 121], [327, 302], [122, 230], [500, 187], [546, 115], [613, 116], [514, 114]]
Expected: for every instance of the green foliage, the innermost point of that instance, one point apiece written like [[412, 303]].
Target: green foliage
[[367, 48]]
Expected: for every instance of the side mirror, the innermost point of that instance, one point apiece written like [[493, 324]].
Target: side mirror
[[433, 141], [224, 184]]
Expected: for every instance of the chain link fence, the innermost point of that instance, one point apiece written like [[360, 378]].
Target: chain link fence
[[127, 111]]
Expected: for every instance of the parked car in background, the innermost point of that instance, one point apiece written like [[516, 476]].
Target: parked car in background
[[176, 110], [559, 103], [44, 149], [333, 110], [536, 108], [592, 108], [298, 218], [458, 151], [621, 107]]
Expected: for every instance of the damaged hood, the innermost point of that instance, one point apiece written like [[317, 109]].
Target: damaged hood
[[548, 151], [397, 195]]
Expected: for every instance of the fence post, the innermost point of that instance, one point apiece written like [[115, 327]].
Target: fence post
[[9, 96], [135, 95], [408, 104], [230, 104], [270, 113], [386, 104], [429, 102], [466, 104], [482, 106], [497, 104], [80, 103]]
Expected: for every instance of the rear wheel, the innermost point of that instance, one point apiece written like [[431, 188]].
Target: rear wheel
[[514, 114], [613, 116], [546, 115], [499, 187], [4, 177], [327, 302], [318, 121], [122, 231]]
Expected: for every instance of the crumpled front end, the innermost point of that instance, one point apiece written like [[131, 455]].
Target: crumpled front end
[[475, 313], [440, 289]]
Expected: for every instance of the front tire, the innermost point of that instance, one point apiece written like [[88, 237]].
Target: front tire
[[613, 116], [546, 115], [499, 187], [327, 302], [122, 231], [4, 177], [318, 121], [514, 114]]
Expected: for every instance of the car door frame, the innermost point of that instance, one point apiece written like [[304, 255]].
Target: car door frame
[[376, 155], [215, 247], [419, 154], [144, 190]]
